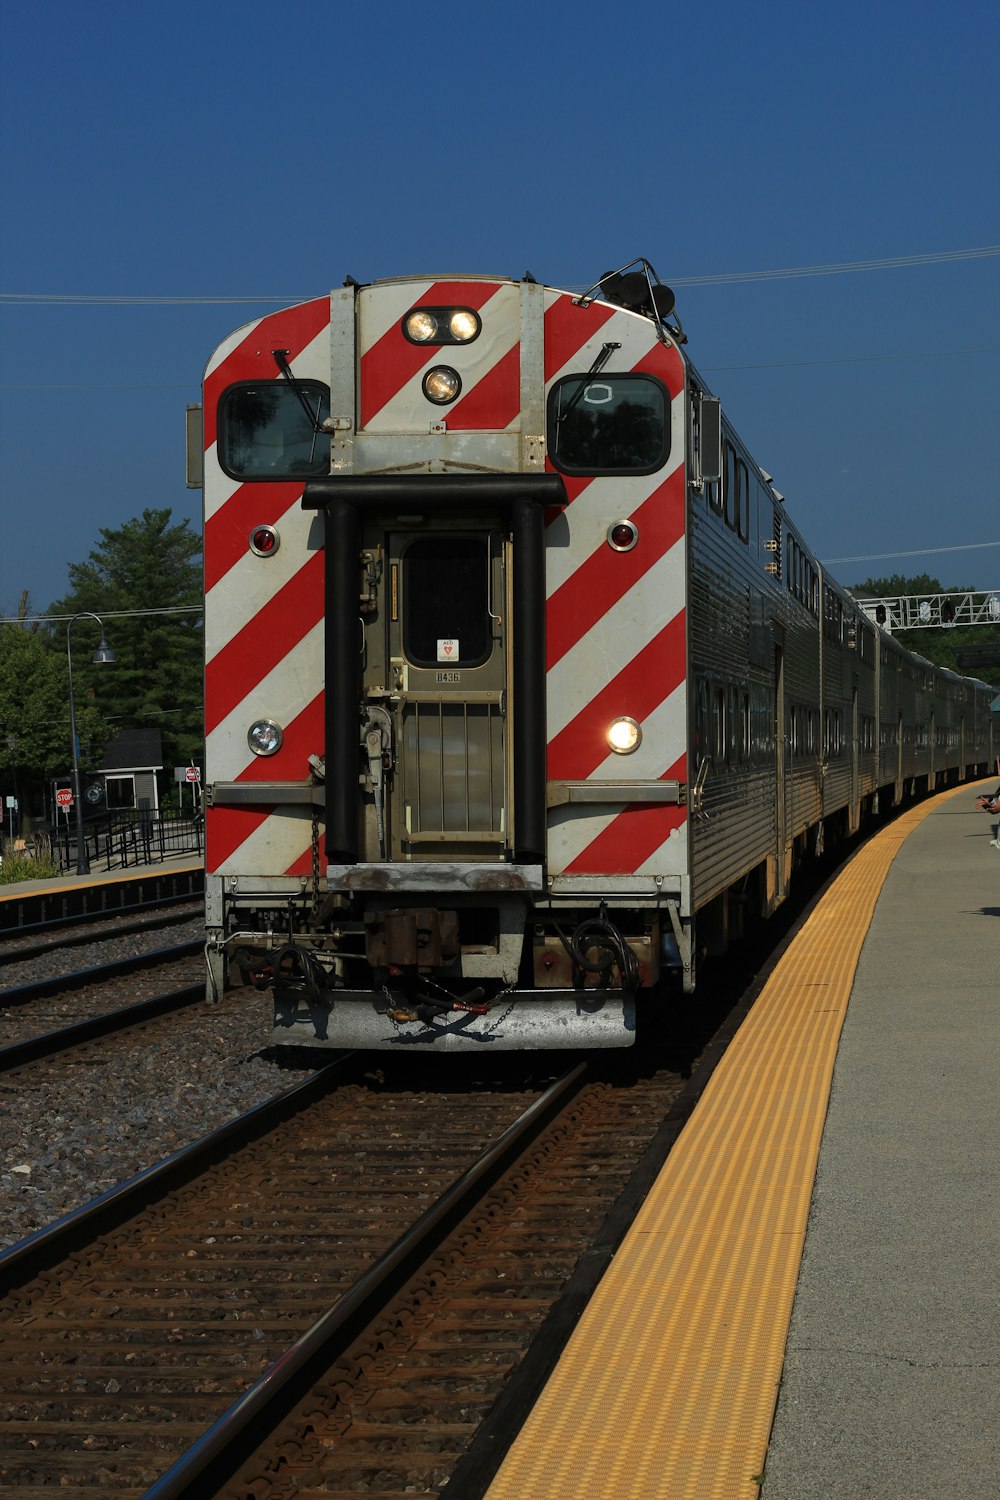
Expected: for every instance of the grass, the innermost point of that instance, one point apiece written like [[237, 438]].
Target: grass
[[17, 864]]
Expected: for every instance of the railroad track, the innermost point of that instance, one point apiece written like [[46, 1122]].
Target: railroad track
[[95, 1001], [126, 1339], [20, 944]]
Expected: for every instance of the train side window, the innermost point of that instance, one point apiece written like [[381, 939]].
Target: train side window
[[729, 498], [701, 722], [613, 424], [264, 432], [719, 726], [446, 612], [743, 515]]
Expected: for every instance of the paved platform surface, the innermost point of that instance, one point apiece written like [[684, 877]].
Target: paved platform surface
[[805, 1305], [100, 874], [891, 1383]]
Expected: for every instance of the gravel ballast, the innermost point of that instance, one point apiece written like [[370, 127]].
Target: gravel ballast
[[62, 1144]]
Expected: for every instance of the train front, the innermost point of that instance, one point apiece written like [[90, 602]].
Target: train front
[[446, 799]]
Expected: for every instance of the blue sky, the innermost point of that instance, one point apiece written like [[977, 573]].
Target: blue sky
[[232, 150]]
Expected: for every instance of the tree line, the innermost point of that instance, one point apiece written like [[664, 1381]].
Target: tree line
[[149, 564], [938, 645]]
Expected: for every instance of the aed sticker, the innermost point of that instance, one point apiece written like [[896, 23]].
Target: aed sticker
[[447, 650]]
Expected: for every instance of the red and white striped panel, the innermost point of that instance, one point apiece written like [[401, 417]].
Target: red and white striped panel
[[392, 368], [616, 622], [263, 616]]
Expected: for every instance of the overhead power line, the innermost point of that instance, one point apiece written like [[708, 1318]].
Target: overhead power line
[[918, 552], [839, 268], [106, 614]]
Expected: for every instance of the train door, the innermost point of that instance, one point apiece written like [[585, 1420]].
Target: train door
[[445, 647]]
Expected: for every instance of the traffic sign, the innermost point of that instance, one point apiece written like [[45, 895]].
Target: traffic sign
[[192, 774], [64, 797]]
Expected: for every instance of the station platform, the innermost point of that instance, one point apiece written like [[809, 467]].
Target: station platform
[[28, 901], [806, 1305]]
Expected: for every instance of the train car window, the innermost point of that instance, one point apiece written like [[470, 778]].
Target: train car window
[[265, 433], [701, 722], [446, 613], [743, 504], [732, 724], [731, 482], [719, 726], [614, 424]]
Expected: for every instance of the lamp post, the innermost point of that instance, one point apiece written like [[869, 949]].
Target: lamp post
[[102, 654]]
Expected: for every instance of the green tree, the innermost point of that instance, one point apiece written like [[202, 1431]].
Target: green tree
[[147, 565], [34, 712]]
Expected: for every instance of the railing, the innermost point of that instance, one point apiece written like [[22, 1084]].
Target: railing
[[116, 843]]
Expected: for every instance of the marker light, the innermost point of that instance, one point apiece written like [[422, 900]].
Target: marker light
[[264, 541], [622, 536], [264, 737], [442, 325], [442, 385], [623, 736]]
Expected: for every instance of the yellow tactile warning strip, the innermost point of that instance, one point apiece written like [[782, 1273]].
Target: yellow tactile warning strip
[[668, 1384]]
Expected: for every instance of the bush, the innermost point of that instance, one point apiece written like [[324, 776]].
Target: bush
[[36, 863]]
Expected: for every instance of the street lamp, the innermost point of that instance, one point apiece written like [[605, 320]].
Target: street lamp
[[102, 654]]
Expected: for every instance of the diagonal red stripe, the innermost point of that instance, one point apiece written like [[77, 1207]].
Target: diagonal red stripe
[[392, 360], [493, 402], [293, 329], [227, 533], [264, 641], [642, 685], [226, 828], [606, 576], [628, 841], [567, 329]]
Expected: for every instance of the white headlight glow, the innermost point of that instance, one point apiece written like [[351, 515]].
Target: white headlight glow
[[421, 326], [442, 384], [623, 736], [463, 325]]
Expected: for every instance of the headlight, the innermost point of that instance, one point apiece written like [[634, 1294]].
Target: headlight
[[442, 384], [442, 325], [623, 736], [264, 737], [420, 326], [463, 325]]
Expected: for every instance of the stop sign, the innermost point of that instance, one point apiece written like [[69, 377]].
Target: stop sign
[[64, 797]]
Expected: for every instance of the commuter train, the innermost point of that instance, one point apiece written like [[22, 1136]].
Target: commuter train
[[523, 690]]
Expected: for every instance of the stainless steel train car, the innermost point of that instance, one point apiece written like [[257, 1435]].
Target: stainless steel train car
[[523, 689]]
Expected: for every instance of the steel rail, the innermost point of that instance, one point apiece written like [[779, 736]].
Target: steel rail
[[95, 935], [214, 1449], [37, 989], [51, 1043], [22, 1261]]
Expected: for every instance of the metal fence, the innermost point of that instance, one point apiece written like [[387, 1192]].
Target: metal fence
[[123, 841]]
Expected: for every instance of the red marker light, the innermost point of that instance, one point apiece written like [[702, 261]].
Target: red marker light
[[264, 541]]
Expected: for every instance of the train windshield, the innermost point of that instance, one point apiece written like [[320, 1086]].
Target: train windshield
[[615, 424], [265, 432]]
